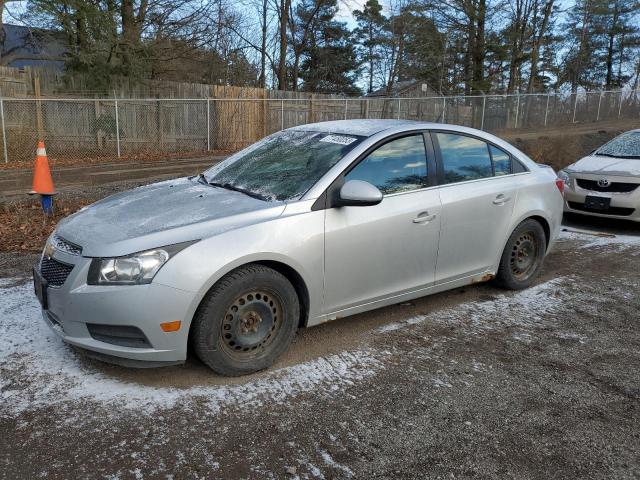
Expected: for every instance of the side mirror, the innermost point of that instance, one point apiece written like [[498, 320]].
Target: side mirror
[[357, 193]]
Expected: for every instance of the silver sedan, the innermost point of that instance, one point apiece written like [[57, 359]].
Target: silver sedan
[[310, 224], [606, 183]]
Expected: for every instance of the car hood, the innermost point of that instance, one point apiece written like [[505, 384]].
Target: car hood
[[161, 214], [607, 165]]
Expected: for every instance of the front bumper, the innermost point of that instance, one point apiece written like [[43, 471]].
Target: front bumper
[[75, 304], [623, 205]]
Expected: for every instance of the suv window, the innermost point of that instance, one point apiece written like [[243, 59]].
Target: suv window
[[463, 157], [397, 166]]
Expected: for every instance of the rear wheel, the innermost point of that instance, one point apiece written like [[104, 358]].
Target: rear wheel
[[523, 256], [246, 321]]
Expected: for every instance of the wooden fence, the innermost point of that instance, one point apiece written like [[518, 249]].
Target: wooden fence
[[230, 118]]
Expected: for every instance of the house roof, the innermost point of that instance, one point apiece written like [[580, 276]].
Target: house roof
[[398, 88], [34, 47]]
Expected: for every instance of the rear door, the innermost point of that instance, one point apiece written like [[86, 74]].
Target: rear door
[[379, 251], [478, 195]]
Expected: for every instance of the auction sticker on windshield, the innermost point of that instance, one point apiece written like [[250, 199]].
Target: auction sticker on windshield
[[341, 139]]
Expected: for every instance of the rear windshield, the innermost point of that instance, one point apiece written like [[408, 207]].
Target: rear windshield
[[626, 145], [284, 165]]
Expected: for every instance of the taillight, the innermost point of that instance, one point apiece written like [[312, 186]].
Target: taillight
[[560, 185]]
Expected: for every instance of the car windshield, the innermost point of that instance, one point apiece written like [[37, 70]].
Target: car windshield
[[282, 166], [626, 145]]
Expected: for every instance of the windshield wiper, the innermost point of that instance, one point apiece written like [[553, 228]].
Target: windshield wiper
[[229, 186], [616, 156]]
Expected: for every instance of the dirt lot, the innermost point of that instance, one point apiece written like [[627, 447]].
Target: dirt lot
[[473, 383], [476, 382]]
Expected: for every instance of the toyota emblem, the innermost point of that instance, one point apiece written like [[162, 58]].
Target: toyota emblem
[[603, 182]]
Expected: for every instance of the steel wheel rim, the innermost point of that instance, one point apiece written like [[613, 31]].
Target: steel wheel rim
[[250, 323], [524, 256]]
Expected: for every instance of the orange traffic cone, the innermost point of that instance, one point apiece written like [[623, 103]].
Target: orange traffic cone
[[42, 181]]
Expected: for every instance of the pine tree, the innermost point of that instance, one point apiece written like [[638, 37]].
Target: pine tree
[[369, 36], [330, 63]]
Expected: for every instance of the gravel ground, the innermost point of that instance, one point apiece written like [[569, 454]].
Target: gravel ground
[[472, 383]]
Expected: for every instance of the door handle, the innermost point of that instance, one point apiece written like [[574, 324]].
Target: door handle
[[424, 217], [501, 200]]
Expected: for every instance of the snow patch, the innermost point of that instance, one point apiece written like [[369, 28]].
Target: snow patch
[[38, 370], [593, 240], [522, 308]]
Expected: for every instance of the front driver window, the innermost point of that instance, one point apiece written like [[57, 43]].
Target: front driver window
[[397, 166]]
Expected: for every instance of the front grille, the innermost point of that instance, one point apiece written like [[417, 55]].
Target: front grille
[[54, 272], [122, 335], [618, 187], [620, 211], [65, 245]]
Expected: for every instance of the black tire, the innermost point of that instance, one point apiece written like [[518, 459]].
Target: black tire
[[523, 256], [246, 321]]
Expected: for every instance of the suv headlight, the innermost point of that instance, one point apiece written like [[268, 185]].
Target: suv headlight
[[135, 269], [564, 176]]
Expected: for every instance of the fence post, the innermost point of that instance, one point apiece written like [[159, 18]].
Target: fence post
[[546, 110], [444, 109], [398, 114], [484, 105], [282, 114], [115, 98], [515, 125], [366, 108], [4, 132], [346, 106], [208, 124], [599, 103], [575, 107], [620, 105], [39, 120]]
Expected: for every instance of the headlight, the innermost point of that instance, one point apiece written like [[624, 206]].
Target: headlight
[[564, 176], [135, 269]]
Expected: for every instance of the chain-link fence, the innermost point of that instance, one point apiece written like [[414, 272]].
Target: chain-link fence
[[109, 128]]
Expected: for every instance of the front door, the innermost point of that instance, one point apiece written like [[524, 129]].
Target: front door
[[376, 252]]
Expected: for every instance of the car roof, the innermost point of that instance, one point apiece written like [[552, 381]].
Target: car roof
[[370, 127], [365, 128]]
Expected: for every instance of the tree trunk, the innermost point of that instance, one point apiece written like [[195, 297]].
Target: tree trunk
[[2, 34], [263, 47], [535, 48], [609, 61], [478, 52], [282, 62], [370, 57], [128, 18], [611, 34]]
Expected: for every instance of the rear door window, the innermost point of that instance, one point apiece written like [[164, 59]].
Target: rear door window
[[463, 157], [501, 161]]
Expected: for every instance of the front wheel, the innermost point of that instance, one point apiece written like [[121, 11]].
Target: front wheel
[[246, 321], [523, 256]]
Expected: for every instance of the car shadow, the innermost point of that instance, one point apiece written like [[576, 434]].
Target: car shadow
[[601, 224]]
